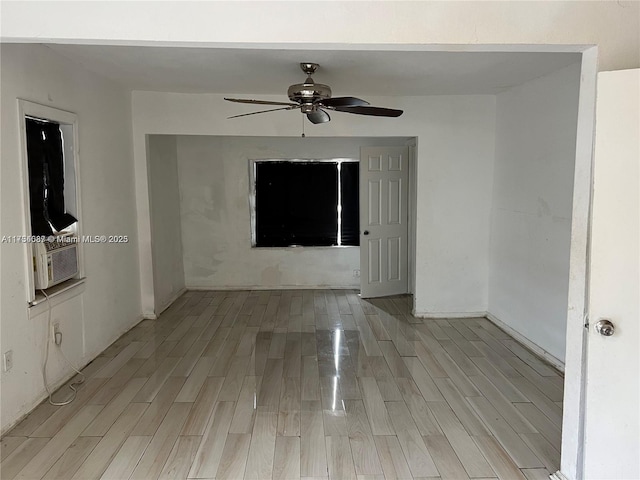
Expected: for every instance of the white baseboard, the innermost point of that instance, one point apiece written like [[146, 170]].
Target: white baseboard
[[537, 350], [274, 287], [449, 314], [169, 302]]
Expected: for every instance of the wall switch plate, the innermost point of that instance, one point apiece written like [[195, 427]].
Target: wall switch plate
[[356, 273], [7, 361]]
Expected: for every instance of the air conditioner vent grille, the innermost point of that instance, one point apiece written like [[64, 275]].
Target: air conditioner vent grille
[[65, 264]]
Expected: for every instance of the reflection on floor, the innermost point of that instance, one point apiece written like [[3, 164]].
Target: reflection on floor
[[295, 384]]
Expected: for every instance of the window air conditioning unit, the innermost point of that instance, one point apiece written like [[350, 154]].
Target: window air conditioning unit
[[54, 262]]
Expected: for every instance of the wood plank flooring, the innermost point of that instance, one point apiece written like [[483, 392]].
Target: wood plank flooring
[[299, 384]]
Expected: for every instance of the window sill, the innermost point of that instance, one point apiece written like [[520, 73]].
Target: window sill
[[305, 247], [57, 295]]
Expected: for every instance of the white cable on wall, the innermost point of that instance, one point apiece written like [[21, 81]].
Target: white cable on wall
[[73, 385]]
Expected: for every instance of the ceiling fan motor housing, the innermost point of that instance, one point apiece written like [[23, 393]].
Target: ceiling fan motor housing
[[308, 92]]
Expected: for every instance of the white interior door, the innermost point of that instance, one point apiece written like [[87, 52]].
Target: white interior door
[[612, 403], [384, 175]]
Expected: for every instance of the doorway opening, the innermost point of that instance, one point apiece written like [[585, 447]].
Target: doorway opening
[[449, 261]]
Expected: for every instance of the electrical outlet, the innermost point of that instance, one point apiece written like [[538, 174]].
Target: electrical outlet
[[57, 334], [7, 361], [356, 273]]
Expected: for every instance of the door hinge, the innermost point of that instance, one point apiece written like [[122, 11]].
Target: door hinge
[[586, 321]]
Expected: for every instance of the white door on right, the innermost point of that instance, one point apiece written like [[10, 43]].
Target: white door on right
[[612, 420], [384, 178]]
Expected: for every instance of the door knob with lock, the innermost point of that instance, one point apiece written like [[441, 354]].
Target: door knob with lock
[[605, 327], [366, 232]]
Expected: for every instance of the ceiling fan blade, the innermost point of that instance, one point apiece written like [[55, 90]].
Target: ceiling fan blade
[[265, 111], [343, 102], [259, 102], [375, 111], [319, 116]]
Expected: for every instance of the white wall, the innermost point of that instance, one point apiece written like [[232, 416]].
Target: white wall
[[110, 302], [214, 188], [164, 198], [613, 26], [532, 206], [455, 178], [455, 154]]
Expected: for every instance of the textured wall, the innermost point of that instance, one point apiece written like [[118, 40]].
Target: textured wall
[[216, 222]]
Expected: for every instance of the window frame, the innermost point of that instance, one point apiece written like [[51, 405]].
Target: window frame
[[252, 195], [68, 123]]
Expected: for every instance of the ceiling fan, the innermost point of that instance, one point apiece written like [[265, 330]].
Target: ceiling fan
[[314, 99]]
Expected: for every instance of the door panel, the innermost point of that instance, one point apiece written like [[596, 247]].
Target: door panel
[[384, 175], [612, 420], [375, 261], [394, 247], [395, 202], [375, 202]]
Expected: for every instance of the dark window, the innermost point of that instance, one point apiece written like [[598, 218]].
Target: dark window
[[306, 203], [46, 177], [350, 202]]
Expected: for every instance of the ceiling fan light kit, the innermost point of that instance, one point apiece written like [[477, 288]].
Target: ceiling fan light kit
[[314, 99]]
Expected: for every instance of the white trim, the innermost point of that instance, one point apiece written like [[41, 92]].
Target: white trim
[[58, 294], [524, 341], [428, 315], [142, 170], [535, 349], [572, 451], [558, 476], [32, 109], [393, 47], [273, 287], [412, 201]]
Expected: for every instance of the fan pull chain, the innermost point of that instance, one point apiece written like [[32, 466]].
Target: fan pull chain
[[303, 135]]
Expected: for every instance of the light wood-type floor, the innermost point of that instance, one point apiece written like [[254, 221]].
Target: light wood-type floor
[[299, 384]]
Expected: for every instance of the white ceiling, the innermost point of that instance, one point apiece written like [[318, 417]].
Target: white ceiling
[[348, 72]]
